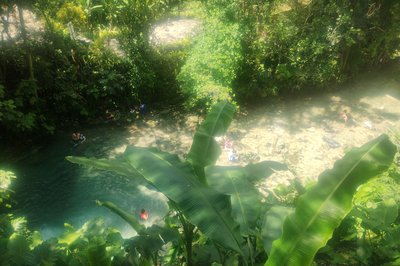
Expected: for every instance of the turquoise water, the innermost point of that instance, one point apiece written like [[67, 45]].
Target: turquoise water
[[50, 190]]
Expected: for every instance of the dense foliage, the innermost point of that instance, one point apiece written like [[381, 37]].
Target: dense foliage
[[219, 211], [218, 216], [211, 67], [299, 45], [92, 59]]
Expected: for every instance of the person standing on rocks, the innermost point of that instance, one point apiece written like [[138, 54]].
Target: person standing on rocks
[[5, 22]]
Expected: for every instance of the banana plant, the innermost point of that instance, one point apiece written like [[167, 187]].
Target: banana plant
[[321, 209], [198, 204], [222, 203], [205, 150]]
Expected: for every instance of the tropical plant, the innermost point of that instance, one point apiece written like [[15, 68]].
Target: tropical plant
[[321, 209], [208, 74], [196, 204], [220, 211], [55, 81], [290, 45], [92, 244], [6, 179], [368, 233]]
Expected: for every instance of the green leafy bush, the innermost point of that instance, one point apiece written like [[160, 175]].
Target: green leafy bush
[[210, 69], [369, 233], [301, 45], [75, 81]]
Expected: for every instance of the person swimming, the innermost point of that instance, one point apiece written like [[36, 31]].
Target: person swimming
[[144, 215], [78, 138]]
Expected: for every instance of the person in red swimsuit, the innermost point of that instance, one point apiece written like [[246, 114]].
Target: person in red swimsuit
[[144, 215]]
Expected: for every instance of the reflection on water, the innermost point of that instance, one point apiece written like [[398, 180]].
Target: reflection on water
[[51, 190]]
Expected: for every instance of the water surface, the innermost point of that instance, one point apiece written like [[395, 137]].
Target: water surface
[[51, 191]]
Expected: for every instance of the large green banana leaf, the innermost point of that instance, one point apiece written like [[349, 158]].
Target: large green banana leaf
[[246, 200], [117, 166], [205, 150], [321, 209], [272, 225], [206, 208]]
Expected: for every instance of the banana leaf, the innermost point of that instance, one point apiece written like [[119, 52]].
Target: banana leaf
[[150, 239], [205, 150], [153, 239], [206, 208], [246, 200], [115, 165], [129, 218], [272, 225], [321, 209]]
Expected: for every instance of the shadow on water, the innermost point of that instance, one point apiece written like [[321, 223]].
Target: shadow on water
[[50, 190]]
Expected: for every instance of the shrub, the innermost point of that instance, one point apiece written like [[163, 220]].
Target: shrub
[[301, 45], [211, 66]]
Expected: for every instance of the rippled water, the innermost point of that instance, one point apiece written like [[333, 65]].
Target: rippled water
[[50, 190]]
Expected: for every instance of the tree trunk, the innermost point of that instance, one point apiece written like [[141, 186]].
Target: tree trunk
[[25, 40]]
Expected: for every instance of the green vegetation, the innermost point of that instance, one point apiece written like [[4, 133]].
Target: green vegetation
[[93, 59], [247, 50], [218, 216], [301, 45], [103, 66], [212, 64]]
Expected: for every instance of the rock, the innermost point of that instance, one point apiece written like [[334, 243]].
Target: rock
[[331, 142], [368, 124]]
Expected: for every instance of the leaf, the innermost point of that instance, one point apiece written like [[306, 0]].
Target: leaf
[[69, 237], [380, 215], [376, 203], [153, 238], [129, 218], [45, 254], [97, 255], [262, 170], [36, 239], [205, 254], [209, 210], [116, 166], [18, 248], [272, 227], [246, 200], [115, 239], [203, 206], [321, 209], [205, 150]]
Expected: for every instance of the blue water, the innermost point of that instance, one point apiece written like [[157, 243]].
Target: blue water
[[51, 191]]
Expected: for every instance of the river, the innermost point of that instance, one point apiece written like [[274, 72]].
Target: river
[[50, 191]]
